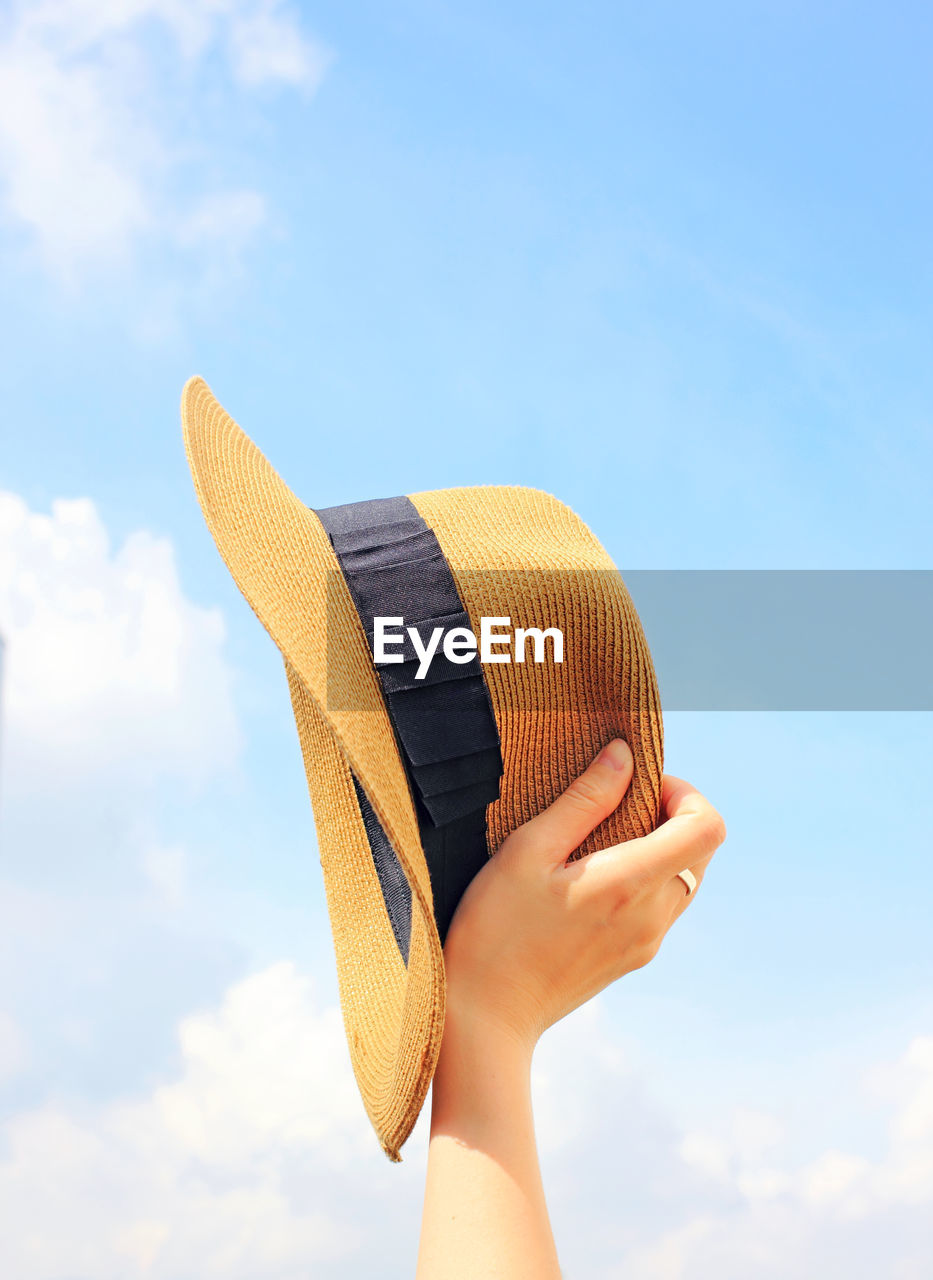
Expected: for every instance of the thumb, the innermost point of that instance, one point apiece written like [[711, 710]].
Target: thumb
[[589, 799]]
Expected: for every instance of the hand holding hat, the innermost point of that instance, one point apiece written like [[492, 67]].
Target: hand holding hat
[[536, 935]]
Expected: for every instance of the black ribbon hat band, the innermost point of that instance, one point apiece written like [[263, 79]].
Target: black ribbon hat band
[[444, 722]]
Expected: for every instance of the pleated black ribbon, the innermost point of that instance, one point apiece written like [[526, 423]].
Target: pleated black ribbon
[[444, 722]]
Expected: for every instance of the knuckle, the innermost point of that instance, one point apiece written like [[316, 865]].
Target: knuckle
[[520, 837], [511, 846], [624, 894], [514, 850], [649, 937], [645, 951]]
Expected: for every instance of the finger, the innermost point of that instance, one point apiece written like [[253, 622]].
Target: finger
[[590, 798], [691, 832], [675, 894]]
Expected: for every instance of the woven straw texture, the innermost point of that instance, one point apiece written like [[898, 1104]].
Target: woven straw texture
[[513, 552]]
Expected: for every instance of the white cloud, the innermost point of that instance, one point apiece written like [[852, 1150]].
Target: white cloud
[[840, 1213], [257, 1158], [264, 46], [265, 1072], [72, 165], [913, 1077], [110, 672], [633, 1195], [845, 1183], [116, 696], [92, 140], [207, 1175]]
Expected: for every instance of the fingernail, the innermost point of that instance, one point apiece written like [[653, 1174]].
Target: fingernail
[[615, 754]]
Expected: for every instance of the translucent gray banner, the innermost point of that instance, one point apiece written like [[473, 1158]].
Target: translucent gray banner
[[789, 640], [721, 640]]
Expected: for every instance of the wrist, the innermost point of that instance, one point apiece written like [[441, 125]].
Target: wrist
[[469, 1023], [482, 1083]]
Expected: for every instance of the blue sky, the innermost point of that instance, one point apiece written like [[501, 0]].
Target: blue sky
[[670, 264]]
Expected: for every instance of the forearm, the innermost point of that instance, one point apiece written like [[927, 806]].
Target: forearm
[[484, 1207]]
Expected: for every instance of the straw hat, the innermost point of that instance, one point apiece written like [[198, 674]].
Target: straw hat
[[414, 783]]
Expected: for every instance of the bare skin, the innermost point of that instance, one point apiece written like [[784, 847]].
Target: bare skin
[[533, 938]]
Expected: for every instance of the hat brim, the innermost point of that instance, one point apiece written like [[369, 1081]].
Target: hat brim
[[281, 559]]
